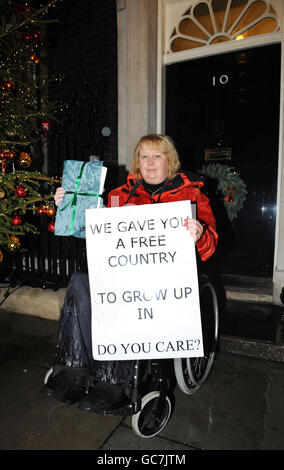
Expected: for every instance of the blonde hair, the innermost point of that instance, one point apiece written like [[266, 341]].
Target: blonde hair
[[166, 145]]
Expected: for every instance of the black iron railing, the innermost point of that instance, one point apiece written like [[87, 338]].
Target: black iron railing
[[48, 260]]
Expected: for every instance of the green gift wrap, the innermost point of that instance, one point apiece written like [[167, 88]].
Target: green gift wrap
[[83, 183]]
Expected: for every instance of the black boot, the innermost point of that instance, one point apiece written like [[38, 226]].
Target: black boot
[[104, 398], [67, 384]]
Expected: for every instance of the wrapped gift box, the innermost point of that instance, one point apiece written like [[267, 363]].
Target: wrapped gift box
[[83, 183]]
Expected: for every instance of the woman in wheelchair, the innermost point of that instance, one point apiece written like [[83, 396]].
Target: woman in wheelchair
[[103, 387]]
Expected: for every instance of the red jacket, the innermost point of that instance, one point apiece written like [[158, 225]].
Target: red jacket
[[181, 188]]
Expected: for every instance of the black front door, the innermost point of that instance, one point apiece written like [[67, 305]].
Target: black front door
[[231, 101]]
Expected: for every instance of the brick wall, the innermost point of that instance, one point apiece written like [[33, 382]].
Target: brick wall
[[82, 48]]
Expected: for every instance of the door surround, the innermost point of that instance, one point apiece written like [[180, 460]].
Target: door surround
[[142, 59]]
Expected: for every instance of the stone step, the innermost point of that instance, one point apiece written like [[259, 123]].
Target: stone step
[[33, 301], [248, 289], [251, 320]]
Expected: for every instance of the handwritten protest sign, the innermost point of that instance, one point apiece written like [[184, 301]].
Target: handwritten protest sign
[[143, 282]]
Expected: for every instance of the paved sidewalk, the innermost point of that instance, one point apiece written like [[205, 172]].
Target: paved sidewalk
[[238, 408]]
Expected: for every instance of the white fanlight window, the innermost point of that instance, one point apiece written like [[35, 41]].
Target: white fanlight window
[[209, 22]]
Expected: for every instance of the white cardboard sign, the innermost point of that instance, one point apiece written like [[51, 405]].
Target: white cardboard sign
[[143, 282]]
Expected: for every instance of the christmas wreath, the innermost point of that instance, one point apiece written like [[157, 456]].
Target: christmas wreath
[[231, 186]]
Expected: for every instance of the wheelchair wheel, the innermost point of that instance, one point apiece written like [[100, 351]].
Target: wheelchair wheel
[[192, 372], [153, 416], [46, 377]]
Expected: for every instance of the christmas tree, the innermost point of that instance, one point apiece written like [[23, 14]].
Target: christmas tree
[[25, 119]]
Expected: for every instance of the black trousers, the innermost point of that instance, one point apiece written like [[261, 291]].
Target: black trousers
[[74, 347]]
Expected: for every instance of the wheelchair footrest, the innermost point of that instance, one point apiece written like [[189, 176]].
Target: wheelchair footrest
[[127, 410]]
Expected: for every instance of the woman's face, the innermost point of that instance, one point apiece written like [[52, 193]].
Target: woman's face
[[153, 164]]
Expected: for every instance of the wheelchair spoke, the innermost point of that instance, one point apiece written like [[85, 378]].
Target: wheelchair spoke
[[198, 366], [192, 372]]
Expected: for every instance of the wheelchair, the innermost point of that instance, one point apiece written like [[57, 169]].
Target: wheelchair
[[150, 403]]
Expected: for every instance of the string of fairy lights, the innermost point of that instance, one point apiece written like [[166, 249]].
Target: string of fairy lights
[[19, 84]]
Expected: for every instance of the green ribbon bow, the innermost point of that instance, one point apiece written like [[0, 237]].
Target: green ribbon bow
[[73, 200]]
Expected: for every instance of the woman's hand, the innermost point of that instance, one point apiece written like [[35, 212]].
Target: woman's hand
[[195, 228], [58, 196]]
